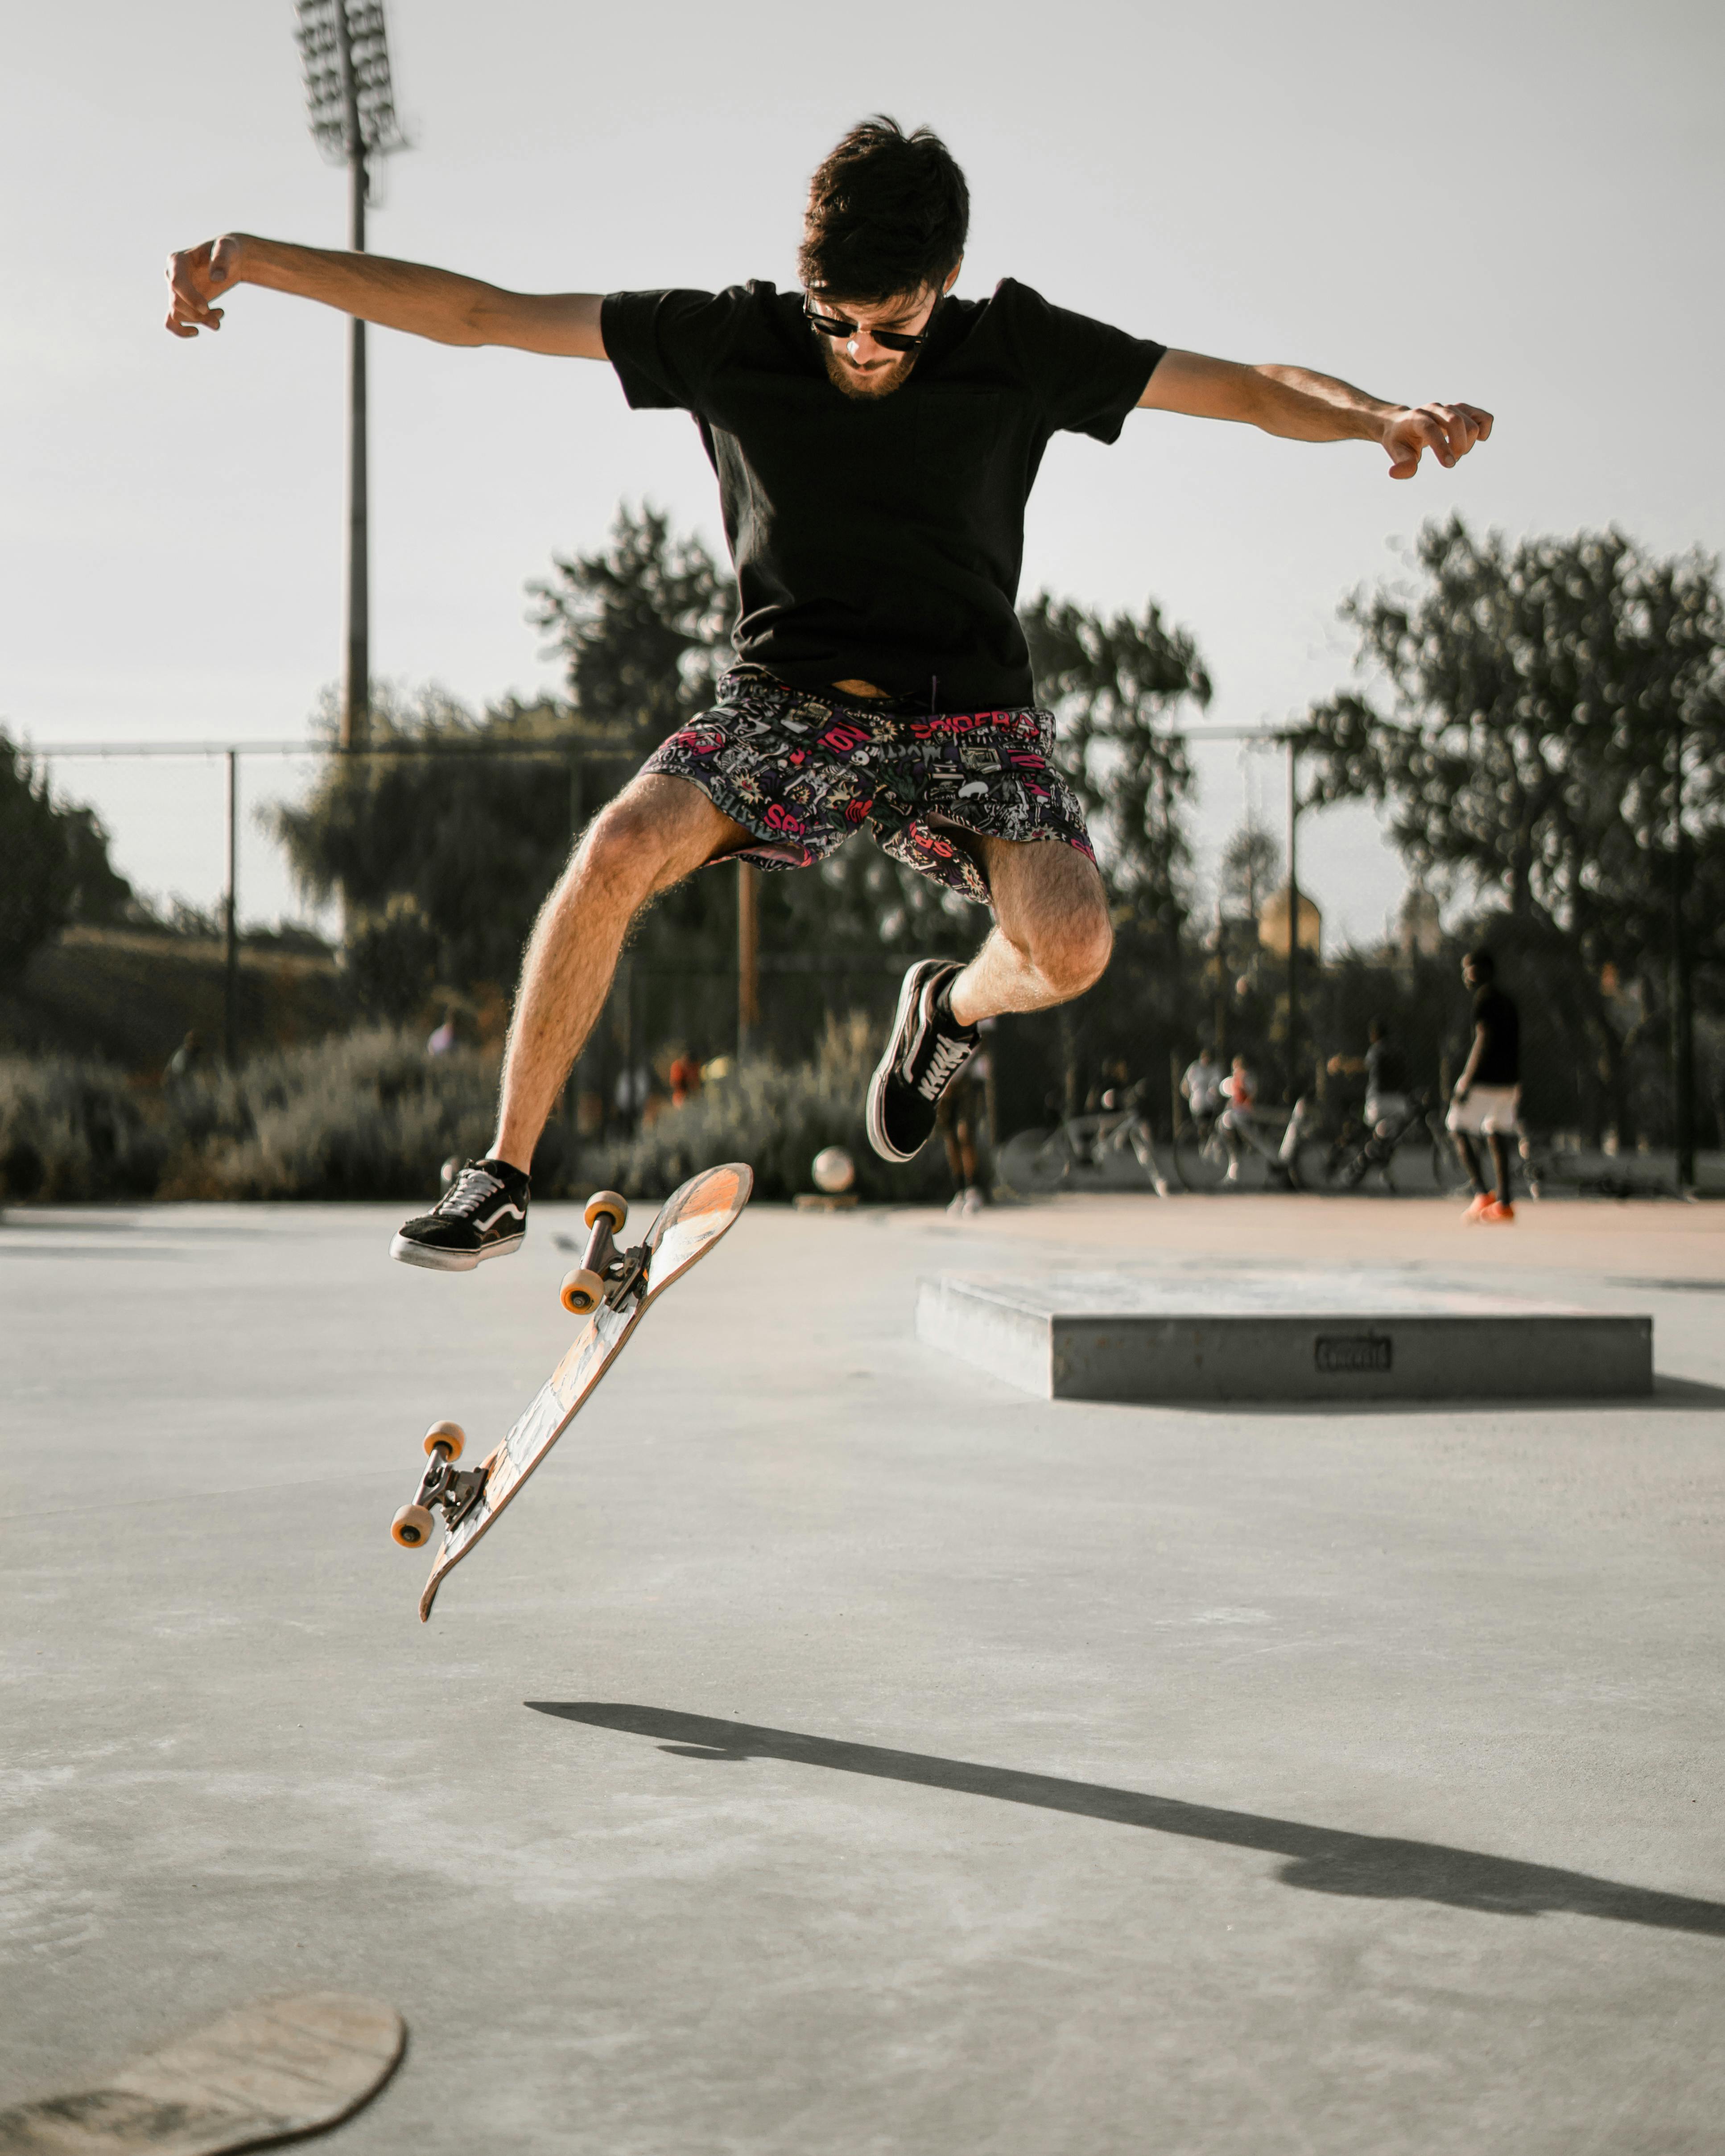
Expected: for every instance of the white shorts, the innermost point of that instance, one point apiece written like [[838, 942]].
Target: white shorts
[[1487, 1108], [1385, 1108]]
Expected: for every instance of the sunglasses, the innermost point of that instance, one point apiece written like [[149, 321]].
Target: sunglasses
[[836, 327]]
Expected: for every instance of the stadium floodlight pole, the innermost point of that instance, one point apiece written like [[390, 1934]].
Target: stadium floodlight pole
[[351, 102]]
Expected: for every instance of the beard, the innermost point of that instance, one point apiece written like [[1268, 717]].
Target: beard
[[878, 381]]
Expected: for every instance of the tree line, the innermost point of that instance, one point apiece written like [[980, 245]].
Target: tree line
[[1541, 723]]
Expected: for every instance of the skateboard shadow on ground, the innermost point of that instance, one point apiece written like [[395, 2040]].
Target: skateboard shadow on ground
[[1326, 1859]]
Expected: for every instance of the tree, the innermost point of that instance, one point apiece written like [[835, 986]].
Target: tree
[[1115, 685], [469, 817], [56, 864], [472, 819], [643, 627], [1251, 864], [1525, 708]]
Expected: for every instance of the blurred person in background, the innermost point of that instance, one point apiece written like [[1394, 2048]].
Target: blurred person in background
[[959, 1115], [1487, 1099], [1387, 1101], [1201, 1087], [1239, 1091], [683, 1077]]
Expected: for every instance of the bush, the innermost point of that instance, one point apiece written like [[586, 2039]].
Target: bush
[[392, 960], [369, 1116], [777, 1120], [74, 1130]]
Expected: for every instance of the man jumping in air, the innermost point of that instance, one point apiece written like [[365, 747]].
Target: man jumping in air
[[875, 440]]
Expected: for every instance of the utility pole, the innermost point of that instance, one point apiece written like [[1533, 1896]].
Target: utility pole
[[352, 105], [230, 968], [1682, 1008], [748, 958], [1293, 920]]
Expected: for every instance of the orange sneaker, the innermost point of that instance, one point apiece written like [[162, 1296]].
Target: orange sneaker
[[1482, 1203], [1496, 1211]]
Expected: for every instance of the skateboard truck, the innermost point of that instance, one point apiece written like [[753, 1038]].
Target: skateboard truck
[[606, 1275], [455, 1491], [616, 1278]]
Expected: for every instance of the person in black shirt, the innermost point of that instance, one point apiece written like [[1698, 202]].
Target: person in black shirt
[[1487, 1098], [874, 438]]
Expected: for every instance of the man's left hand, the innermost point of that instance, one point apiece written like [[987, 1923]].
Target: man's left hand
[[1449, 431]]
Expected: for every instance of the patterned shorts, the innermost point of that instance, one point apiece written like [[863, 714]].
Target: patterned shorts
[[801, 769]]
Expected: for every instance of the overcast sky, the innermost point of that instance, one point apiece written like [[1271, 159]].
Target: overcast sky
[[1517, 204]]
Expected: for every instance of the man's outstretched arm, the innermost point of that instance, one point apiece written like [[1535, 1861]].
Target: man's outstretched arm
[[400, 295], [1304, 406]]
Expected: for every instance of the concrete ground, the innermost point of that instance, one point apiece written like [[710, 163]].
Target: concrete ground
[[837, 1750]]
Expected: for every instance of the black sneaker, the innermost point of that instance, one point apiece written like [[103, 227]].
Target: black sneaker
[[482, 1214], [927, 1050]]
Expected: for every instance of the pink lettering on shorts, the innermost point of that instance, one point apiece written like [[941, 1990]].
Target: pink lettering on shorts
[[843, 739], [780, 819], [855, 811]]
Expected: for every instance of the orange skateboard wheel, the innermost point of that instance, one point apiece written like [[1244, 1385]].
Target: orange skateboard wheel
[[450, 1435], [412, 1526], [606, 1202], [582, 1292]]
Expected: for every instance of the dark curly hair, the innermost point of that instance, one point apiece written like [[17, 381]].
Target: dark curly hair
[[888, 213]]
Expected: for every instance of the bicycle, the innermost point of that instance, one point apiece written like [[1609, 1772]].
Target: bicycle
[[1357, 1150], [1203, 1158], [1037, 1163]]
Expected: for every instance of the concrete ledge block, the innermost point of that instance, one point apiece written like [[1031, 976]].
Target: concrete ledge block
[[1263, 1336]]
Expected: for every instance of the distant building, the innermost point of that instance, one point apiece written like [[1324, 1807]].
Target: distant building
[[1273, 924], [1419, 929]]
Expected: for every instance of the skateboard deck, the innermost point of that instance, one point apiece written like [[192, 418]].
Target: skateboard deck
[[684, 1228], [263, 2073]]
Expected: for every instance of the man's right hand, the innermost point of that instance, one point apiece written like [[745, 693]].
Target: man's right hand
[[194, 276]]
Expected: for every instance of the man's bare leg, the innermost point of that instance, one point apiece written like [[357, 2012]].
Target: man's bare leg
[[1052, 937], [657, 831]]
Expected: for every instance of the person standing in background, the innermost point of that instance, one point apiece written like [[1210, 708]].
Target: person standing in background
[[1487, 1100]]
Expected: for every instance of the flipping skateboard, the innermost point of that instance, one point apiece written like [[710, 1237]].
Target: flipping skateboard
[[612, 1289], [259, 2074]]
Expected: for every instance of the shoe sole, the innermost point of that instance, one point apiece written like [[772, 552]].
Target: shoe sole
[[452, 1262], [914, 981]]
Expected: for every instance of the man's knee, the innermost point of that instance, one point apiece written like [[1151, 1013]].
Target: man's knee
[[651, 833], [1071, 952]]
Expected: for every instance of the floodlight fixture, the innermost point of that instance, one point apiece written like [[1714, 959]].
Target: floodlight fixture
[[349, 96]]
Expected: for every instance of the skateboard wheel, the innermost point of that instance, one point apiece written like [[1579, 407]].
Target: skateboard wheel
[[606, 1202], [412, 1526], [447, 1434], [582, 1292]]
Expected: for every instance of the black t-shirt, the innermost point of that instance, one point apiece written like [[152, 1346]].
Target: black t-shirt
[[1386, 1068], [880, 538], [1500, 1062]]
